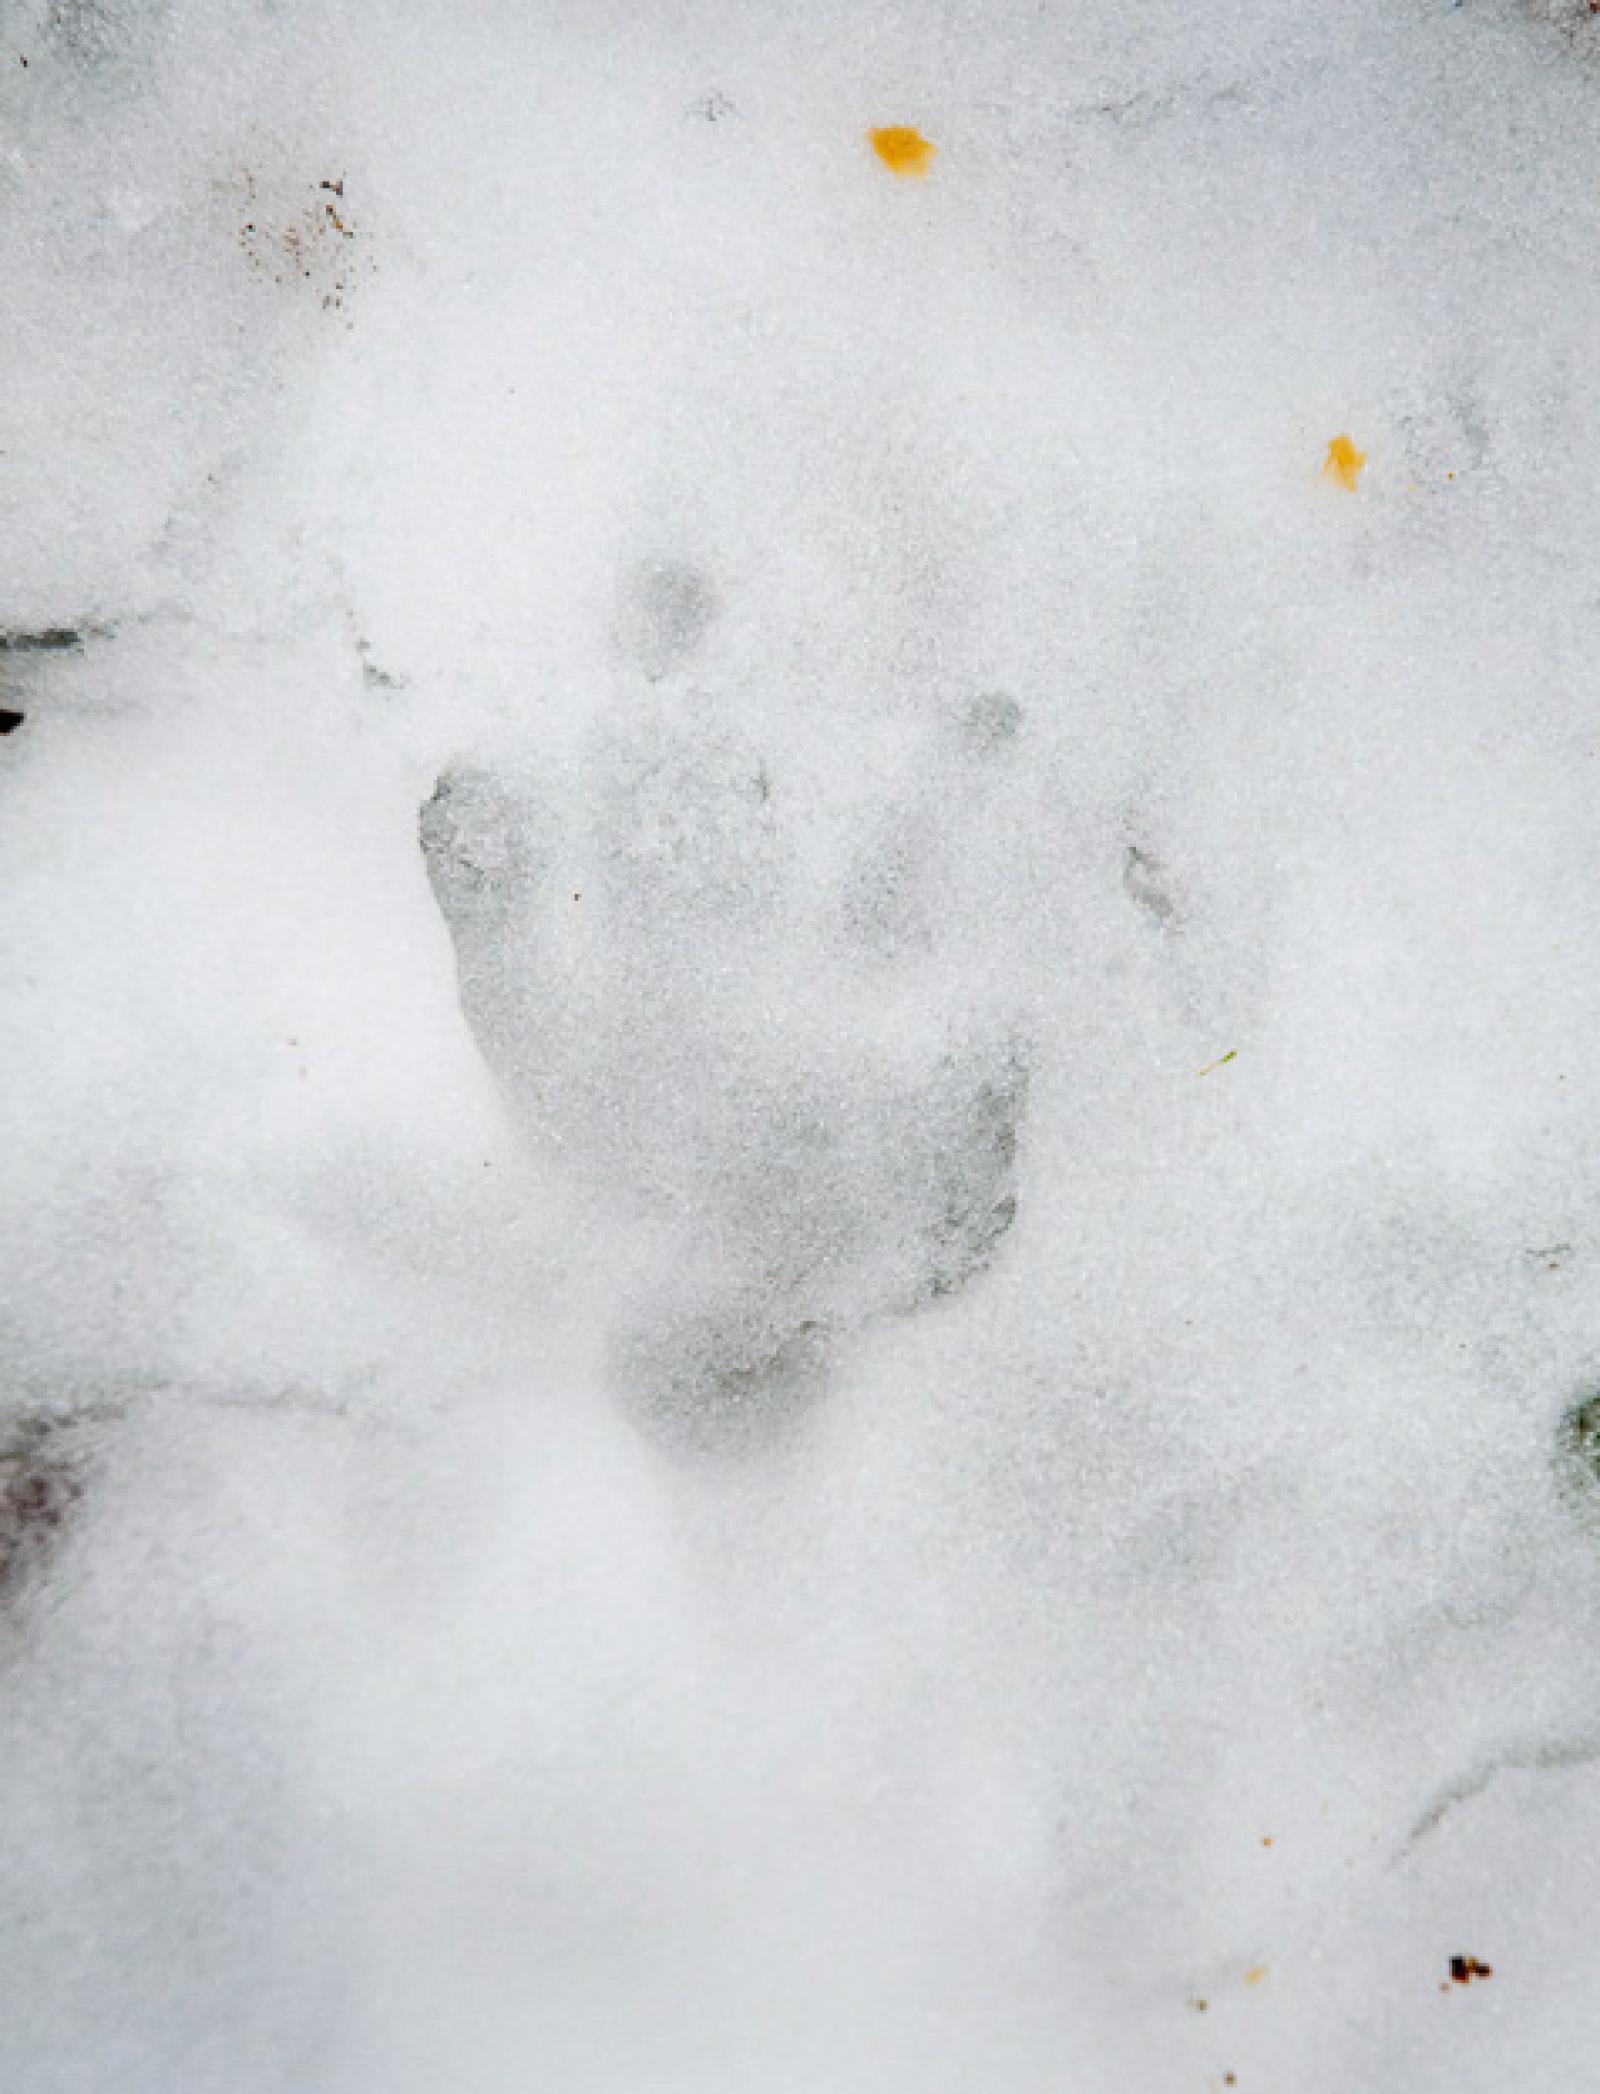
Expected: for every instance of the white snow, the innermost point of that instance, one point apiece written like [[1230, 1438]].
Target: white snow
[[799, 1102]]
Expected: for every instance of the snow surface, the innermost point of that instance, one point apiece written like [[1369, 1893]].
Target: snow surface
[[800, 1109]]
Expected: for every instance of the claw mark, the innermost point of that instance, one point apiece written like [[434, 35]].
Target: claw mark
[[1144, 879]]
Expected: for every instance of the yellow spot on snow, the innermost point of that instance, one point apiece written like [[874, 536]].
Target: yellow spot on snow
[[903, 150], [1344, 462], [1255, 1974]]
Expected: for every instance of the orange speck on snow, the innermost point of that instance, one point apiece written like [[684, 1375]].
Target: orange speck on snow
[[1344, 462], [1255, 1974], [903, 150]]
